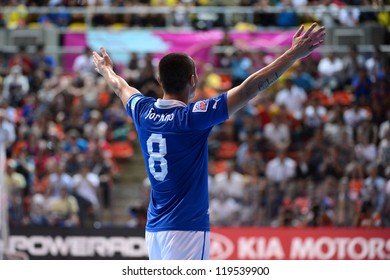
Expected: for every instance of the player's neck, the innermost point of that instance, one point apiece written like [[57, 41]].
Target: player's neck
[[179, 97]]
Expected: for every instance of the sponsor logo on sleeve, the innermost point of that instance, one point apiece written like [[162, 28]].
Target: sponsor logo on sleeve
[[216, 100], [201, 106]]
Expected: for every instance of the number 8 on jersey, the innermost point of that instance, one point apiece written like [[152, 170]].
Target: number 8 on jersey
[[156, 157]]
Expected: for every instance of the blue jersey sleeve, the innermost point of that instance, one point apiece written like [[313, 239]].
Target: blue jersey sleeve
[[208, 113], [134, 105]]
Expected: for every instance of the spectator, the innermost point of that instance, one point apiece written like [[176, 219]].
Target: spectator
[[240, 67], [63, 210], [22, 59], [365, 150], [277, 133], [329, 69], [302, 78], [355, 115], [331, 167], [375, 64], [58, 180], [86, 191], [43, 62], [293, 97], [38, 215], [83, 64], [281, 168], [249, 157], [15, 87], [230, 182], [384, 150], [224, 210], [349, 16], [362, 86], [373, 183], [352, 62], [101, 166], [314, 116], [7, 130], [287, 17], [95, 128], [14, 184], [75, 141]]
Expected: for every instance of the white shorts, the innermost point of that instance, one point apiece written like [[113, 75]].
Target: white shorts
[[178, 245]]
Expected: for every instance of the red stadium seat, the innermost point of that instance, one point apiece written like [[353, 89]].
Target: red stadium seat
[[121, 150], [227, 150]]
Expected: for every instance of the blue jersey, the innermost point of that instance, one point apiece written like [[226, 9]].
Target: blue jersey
[[173, 139]]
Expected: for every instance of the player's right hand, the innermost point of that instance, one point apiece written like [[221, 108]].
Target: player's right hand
[[102, 63]]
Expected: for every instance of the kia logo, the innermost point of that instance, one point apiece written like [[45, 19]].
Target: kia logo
[[221, 247]]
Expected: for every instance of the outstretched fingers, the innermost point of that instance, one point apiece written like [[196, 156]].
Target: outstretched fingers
[[318, 37], [103, 51], [299, 32], [310, 30], [106, 57]]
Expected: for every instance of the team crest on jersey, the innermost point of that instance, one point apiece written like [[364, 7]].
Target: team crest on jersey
[[201, 106]]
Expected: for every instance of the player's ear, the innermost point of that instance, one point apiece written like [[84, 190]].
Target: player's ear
[[158, 80], [194, 79]]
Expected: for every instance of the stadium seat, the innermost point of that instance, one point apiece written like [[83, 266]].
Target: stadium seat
[[121, 150], [77, 26], [227, 150]]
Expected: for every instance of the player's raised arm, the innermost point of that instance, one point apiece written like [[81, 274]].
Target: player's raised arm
[[104, 66], [304, 42]]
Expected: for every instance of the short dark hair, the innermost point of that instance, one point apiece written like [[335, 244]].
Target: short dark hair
[[175, 70]]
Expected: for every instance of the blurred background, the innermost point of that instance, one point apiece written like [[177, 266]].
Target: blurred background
[[302, 172]]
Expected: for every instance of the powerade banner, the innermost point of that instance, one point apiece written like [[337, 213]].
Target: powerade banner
[[77, 243], [226, 243], [197, 44]]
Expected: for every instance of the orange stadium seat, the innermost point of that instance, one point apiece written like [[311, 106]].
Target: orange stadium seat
[[227, 150], [121, 150]]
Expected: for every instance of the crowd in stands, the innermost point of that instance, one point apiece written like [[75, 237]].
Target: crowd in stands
[[280, 13], [61, 132], [314, 150]]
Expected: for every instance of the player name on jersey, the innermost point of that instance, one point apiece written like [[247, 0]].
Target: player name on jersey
[[159, 117]]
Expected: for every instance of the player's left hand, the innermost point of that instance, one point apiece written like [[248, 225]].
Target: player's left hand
[[305, 42], [102, 63]]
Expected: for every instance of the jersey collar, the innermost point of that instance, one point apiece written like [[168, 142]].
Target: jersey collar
[[166, 104]]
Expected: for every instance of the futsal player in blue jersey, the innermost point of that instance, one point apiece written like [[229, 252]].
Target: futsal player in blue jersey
[[173, 136]]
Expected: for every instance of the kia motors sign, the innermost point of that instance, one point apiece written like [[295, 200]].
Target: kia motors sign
[[300, 244]]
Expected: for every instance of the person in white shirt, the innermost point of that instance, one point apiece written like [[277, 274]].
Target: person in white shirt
[[59, 179], [15, 86], [293, 97], [85, 189], [329, 69], [7, 130], [83, 64], [230, 182], [277, 133], [355, 115], [224, 210], [281, 168]]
